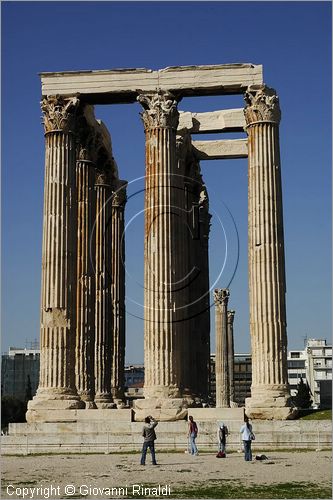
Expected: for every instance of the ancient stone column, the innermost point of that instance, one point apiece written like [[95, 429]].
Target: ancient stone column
[[221, 297], [57, 389], [193, 258], [118, 291], [231, 353], [86, 214], [204, 318], [103, 312], [184, 148], [162, 331], [267, 288]]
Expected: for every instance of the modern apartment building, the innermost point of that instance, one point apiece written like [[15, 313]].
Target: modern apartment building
[[313, 364], [19, 369], [134, 380], [297, 361], [319, 371]]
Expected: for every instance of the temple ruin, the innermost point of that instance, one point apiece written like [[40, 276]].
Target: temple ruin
[[83, 274]]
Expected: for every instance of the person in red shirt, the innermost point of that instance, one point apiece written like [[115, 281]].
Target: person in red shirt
[[192, 433]]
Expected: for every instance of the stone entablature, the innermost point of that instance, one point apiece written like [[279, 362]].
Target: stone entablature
[[124, 85]]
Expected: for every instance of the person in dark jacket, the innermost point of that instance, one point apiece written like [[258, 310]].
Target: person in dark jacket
[[222, 438], [148, 433]]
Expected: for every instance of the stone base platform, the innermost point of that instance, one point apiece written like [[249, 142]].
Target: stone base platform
[[217, 414], [162, 413], [137, 414], [270, 404], [84, 415], [109, 436], [162, 409], [272, 413]]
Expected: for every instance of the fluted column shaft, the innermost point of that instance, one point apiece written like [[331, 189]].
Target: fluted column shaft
[[204, 318], [266, 250], [161, 330], [57, 377], [118, 290], [103, 307], [192, 372], [184, 149], [221, 297], [231, 353], [85, 321]]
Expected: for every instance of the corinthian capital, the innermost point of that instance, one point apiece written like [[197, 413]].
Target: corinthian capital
[[231, 316], [160, 110], [221, 296], [119, 197], [102, 179], [59, 113], [262, 104]]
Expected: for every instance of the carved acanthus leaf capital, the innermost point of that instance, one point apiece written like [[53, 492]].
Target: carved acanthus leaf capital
[[160, 110], [59, 113], [102, 178], [221, 296], [119, 197], [262, 104], [231, 316]]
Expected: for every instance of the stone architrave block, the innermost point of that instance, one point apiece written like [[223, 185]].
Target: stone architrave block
[[124, 85], [220, 149], [226, 120]]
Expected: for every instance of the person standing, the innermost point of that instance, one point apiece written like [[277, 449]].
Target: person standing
[[149, 435], [222, 437], [247, 437], [192, 433]]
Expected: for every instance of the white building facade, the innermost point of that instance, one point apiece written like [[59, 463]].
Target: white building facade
[[313, 365]]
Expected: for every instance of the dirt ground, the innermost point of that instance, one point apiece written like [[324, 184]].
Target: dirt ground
[[93, 476]]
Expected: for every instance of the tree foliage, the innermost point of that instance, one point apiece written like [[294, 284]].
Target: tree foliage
[[302, 399], [12, 410]]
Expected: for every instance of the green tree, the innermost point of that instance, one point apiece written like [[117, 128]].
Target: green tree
[[12, 410], [302, 399]]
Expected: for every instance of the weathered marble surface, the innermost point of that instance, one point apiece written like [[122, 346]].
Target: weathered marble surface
[[124, 85]]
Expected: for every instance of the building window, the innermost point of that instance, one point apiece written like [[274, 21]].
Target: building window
[[296, 364]]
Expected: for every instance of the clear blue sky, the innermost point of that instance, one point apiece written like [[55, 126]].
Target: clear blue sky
[[291, 39]]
